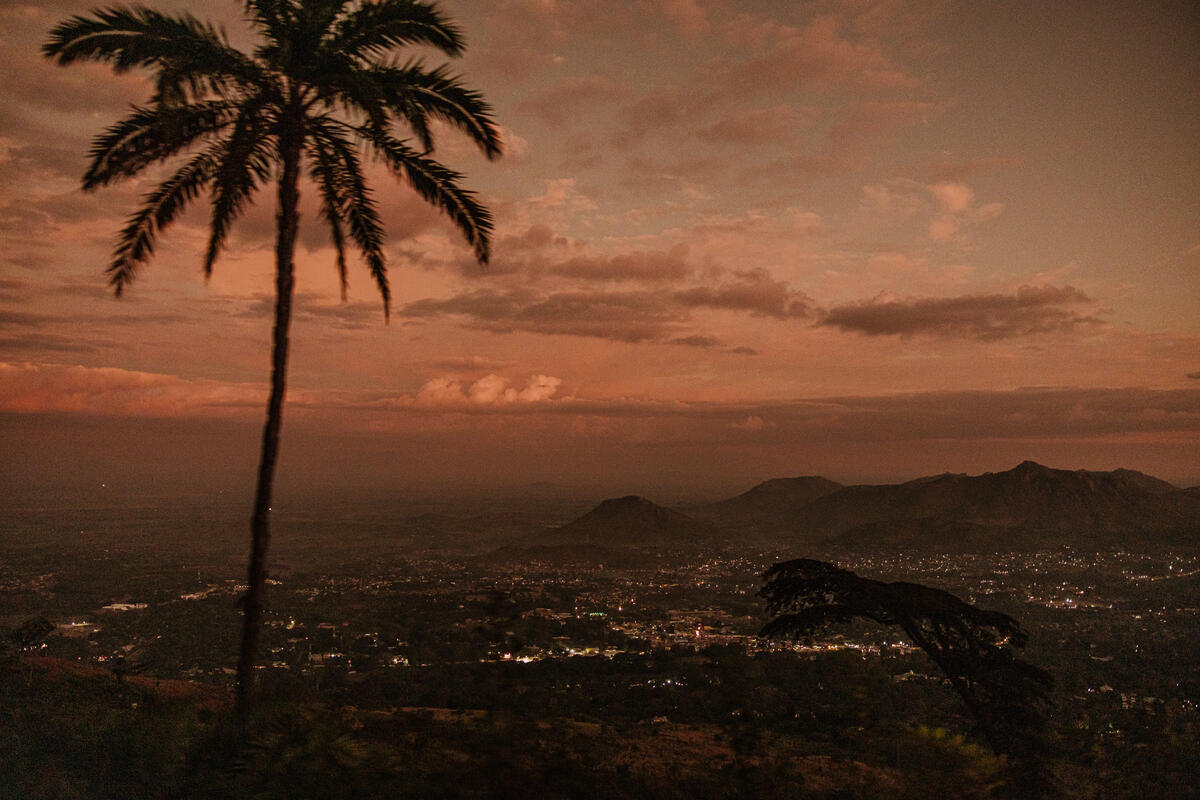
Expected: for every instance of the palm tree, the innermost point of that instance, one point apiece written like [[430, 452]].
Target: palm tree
[[319, 90]]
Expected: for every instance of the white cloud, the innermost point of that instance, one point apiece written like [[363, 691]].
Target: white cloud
[[490, 390], [440, 392], [540, 387], [753, 423]]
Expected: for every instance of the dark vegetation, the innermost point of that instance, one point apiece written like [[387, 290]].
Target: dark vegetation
[[733, 731], [972, 648]]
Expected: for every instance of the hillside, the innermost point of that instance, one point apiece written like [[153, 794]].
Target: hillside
[[1028, 507], [634, 521], [70, 734], [771, 506]]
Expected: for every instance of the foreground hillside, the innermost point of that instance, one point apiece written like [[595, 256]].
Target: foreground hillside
[[67, 733], [76, 733]]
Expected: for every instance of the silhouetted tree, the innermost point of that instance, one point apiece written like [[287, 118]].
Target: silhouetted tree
[[972, 647], [318, 88]]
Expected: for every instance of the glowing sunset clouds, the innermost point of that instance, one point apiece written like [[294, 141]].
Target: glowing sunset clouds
[[735, 240]]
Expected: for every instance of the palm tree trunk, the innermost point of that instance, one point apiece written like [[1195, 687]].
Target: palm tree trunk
[[287, 224]]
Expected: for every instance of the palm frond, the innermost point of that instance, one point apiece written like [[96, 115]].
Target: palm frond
[[246, 161], [439, 185], [271, 18], [375, 28], [326, 175], [416, 93], [152, 134], [340, 82], [356, 202], [159, 209], [186, 51], [318, 18]]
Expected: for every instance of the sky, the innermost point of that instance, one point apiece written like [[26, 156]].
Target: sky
[[871, 240]]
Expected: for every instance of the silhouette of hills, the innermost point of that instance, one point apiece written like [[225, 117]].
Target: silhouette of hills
[[1028, 507], [634, 521], [770, 506]]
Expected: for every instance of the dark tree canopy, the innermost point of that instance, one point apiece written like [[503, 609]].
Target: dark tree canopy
[[973, 647]]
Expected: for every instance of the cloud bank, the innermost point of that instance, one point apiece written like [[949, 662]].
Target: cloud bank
[[1029, 310]]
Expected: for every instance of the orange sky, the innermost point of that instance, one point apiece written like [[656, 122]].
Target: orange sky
[[736, 240]]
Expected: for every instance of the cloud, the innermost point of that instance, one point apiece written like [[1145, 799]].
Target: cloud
[[620, 316], [689, 16], [818, 55], [556, 206], [29, 388], [668, 265], [539, 387], [490, 390], [754, 292], [567, 98], [752, 423], [1030, 310], [703, 342], [854, 140], [42, 388], [42, 342], [516, 147], [948, 205], [657, 111], [310, 307], [954, 203], [779, 123], [441, 391], [1021, 414], [625, 316], [539, 251], [473, 363], [487, 389], [451, 415], [887, 202]]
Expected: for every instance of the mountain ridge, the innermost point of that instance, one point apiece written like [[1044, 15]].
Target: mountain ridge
[[1041, 504], [1030, 506]]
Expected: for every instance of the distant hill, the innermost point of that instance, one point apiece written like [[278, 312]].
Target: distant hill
[[771, 506], [633, 522], [1027, 507]]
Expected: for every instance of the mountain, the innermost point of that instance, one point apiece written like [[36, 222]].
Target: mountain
[[1028, 507], [771, 506], [633, 522]]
